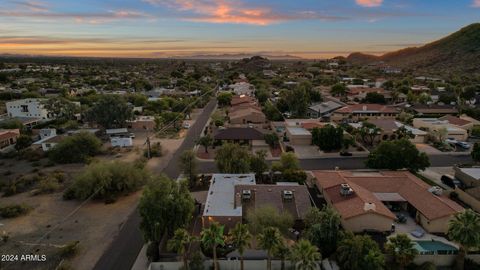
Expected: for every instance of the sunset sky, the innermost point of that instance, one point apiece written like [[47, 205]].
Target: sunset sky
[[168, 28]]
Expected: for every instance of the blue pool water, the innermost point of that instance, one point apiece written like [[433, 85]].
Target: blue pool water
[[435, 247]]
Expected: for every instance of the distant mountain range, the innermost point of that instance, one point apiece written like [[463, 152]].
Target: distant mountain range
[[238, 56], [456, 53]]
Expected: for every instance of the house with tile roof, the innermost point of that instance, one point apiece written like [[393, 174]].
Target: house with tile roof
[[369, 200], [8, 139], [360, 112]]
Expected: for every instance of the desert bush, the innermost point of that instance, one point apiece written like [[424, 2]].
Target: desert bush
[[106, 181], [76, 148], [20, 185], [14, 210]]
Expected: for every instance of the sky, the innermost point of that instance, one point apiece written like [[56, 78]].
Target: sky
[[179, 28]]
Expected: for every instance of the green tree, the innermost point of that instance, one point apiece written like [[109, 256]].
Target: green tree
[[110, 111], [258, 163], [240, 238], [299, 100], [395, 155], [179, 243], [304, 255], [288, 161], [374, 97], [476, 152], [328, 138], [338, 89], [402, 250], [368, 132], [23, 141], [232, 158], [188, 165], [61, 108], [76, 148], [271, 139], [211, 238], [464, 229], [282, 252], [224, 98], [205, 141], [355, 252], [268, 216], [164, 207], [402, 132], [324, 229], [269, 240]]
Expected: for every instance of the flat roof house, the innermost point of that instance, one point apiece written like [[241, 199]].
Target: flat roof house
[[365, 200], [231, 196], [435, 124], [323, 109], [27, 108]]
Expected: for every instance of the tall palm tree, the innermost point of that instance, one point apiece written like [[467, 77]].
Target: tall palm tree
[[282, 251], [179, 244], [402, 249], [240, 237], [465, 229], [269, 240], [305, 255], [211, 238]]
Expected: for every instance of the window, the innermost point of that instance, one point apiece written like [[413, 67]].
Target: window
[[24, 108]]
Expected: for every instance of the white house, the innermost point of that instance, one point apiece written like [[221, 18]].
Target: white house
[[27, 108], [48, 143], [121, 141]]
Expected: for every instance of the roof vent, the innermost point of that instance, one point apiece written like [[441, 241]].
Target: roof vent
[[287, 195], [346, 190], [246, 194], [364, 108]]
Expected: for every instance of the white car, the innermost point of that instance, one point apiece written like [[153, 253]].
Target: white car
[[463, 145], [451, 141], [186, 125]]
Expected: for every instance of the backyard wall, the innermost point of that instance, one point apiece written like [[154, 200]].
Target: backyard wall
[[467, 198]]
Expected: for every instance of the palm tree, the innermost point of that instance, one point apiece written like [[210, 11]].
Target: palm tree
[[179, 243], [211, 238], [240, 237], [282, 251], [269, 240], [465, 230], [402, 249], [305, 255]]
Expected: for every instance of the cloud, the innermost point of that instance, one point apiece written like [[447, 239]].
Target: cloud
[[476, 4], [222, 11], [31, 5], [370, 3], [95, 17]]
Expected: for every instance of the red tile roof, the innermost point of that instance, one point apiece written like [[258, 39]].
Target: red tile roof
[[365, 185], [455, 120], [7, 134]]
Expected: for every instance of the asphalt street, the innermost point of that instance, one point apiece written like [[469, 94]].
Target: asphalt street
[[123, 251]]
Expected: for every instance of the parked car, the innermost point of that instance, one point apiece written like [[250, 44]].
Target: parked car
[[451, 181], [186, 125], [463, 145], [345, 154], [451, 141]]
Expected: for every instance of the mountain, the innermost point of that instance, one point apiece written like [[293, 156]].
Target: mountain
[[239, 56], [458, 52]]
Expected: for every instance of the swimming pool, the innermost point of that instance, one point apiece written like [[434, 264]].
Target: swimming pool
[[435, 247]]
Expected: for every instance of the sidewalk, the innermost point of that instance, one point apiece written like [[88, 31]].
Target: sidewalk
[[142, 262]]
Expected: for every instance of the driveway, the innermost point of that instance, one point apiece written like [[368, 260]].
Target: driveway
[[429, 150]]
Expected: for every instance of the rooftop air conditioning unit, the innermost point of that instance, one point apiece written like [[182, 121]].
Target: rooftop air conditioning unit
[[436, 190], [288, 195], [246, 194], [346, 190]]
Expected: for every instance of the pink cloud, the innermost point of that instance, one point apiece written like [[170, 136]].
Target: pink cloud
[[370, 3], [221, 11], [476, 4]]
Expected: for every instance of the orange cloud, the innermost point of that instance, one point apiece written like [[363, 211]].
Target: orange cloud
[[221, 11], [369, 3], [476, 4]]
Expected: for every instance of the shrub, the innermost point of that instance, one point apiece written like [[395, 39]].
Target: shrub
[[70, 249], [76, 148], [14, 210], [106, 181], [155, 150], [47, 185], [20, 185]]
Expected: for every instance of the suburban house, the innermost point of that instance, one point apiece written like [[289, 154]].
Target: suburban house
[[323, 110], [249, 136], [434, 110], [47, 143], [120, 137], [142, 123], [359, 93], [435, 124], [390, 126], [463, 121], [8, 139], [27, 108], [242, 100], [360, 112], [470, 177], [246, 115], [231, 196], [242, 88], [298, 135], [369, 201]]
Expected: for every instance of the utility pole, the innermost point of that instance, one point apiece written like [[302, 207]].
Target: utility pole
[[148, 144]]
